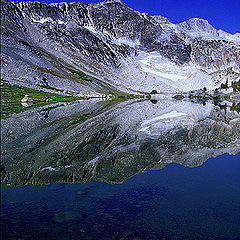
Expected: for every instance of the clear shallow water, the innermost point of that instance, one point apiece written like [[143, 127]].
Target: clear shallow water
[[172, 203]]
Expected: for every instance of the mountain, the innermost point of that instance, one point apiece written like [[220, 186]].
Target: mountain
[[109, 47]]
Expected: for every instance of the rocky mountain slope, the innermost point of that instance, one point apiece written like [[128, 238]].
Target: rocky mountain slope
[[107, 46]]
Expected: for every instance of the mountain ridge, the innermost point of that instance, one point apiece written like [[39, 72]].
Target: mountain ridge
[[120, 48]]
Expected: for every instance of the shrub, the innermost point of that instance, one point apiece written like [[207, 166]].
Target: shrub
[[154, 92], [224, 86], [236, 86]]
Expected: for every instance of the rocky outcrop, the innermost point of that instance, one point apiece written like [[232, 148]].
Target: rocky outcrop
[[215, 54], [228, 75]]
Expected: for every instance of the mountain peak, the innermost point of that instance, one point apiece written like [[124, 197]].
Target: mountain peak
[[197, 20], [160, 19], [199, 23], [197, 27], [113, 1]]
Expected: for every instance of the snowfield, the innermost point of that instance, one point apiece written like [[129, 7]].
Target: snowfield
[[173, 77], [149, 71]]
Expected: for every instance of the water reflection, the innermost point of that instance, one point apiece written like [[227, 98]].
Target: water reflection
[[154, 101], [173, 203], [111, 142]]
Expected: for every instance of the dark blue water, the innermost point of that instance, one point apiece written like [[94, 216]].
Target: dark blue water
[[173, 203]]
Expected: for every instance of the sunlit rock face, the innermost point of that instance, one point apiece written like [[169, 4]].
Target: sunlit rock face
[[112, 43], [215, 54], [109, 142]]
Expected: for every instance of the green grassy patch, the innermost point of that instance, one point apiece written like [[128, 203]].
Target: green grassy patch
[[80, 75], [123, 96], [82, 118], [235, 107], [50, 88], [11, 96]]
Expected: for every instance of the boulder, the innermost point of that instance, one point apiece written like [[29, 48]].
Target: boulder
[[27, 99]]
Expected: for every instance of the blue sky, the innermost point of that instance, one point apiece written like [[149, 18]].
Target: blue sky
[[222, 14]]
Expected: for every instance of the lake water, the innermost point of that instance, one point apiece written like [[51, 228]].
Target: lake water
[[132, 170]]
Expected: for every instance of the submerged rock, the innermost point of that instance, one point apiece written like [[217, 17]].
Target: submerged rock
[[69, 216], [55, 187], [179, 97]]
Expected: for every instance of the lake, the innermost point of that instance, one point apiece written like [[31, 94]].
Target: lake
[[137, 169]]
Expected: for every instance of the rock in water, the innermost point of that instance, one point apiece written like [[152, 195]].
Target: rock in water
[[178, 97], [69, 216]]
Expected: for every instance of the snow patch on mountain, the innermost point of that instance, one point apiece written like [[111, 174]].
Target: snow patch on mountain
[[94, 160], [125, 41], [61, 22], [173, 77], [230, 37], [91, 29], [185, 78], [42, 20]]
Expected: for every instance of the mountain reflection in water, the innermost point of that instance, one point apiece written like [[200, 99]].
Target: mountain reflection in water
[[111, 142], [92, 144]]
